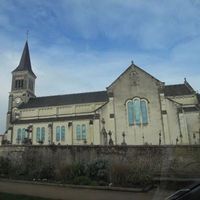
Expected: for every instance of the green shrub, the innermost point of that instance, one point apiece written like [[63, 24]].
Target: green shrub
[[98, 170]]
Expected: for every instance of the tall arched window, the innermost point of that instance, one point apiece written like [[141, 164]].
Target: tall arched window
[[19, 135], [38, 134], [144, 111], [62, 133], [24, 135], [78, 132], [57, 133], [42, 134], [83, 132], [130, 112], [137, 111]]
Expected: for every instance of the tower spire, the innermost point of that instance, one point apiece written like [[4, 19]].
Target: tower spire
[[25, 62]]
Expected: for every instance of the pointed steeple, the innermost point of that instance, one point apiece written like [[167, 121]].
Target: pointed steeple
[[25, 62]]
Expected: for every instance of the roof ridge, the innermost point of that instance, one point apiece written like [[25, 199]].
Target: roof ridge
[[175, 84], [68, 94]]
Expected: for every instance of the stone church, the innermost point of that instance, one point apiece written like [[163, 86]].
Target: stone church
[[135, 109]]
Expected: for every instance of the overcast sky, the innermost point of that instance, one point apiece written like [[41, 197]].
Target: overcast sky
[[83, 45]]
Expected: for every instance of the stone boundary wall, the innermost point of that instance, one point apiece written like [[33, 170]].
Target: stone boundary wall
[[164, 161]]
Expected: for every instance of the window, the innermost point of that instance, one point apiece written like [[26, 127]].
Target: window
[[21, 134], [137, 112], [40, 135], [19, 84], [60, 133], [30, 84], [78, 132], [81, 133]]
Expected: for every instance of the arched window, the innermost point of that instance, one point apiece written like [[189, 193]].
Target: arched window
[[57, 133], [19, 135], [78, 132], [137, 111], [23, 134], [38, 134], [62, 133], [42, 134], [130, 112], [83, 132], [144, 112]]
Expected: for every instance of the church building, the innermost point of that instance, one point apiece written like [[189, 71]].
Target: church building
[[135, 109]]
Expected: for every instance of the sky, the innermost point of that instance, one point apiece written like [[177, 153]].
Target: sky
[[84, 45]]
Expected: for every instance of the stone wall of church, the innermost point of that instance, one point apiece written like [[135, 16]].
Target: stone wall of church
[[173, 161], [58, 111], [186, 100], [193, 126], [135, 83]]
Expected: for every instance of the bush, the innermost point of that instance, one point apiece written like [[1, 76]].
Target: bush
[[98, 170], [82, 180], [130, 176], [5, 166]]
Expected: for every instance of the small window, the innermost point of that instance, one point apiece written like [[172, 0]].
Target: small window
[[19, 84], [81, 133], [60, 133], [40, 134]]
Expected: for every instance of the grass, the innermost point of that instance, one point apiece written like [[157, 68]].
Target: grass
[[7, 196]]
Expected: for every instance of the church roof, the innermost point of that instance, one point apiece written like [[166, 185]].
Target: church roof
[[25, 62], [67, 99], [177, 90]]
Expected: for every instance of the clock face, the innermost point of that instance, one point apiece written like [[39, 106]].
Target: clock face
[[18, 100]]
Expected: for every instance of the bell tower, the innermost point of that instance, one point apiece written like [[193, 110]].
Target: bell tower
[[23, 85]]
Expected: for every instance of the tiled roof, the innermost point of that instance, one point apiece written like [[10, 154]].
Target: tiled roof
[[177, 90], [68, 99]]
